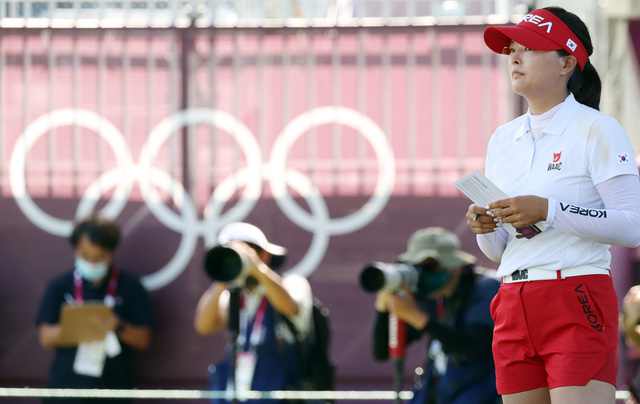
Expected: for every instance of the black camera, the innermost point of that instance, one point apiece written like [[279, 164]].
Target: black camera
[[223, 263]]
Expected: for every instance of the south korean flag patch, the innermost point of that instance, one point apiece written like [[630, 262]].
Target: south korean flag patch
[[571, 45], [623, 159]]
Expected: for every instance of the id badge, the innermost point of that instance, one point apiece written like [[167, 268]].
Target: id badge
[[90, 358], [112, 346], [245, 365], [438, 356]]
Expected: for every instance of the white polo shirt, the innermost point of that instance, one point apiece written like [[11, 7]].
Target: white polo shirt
[[579, 148]]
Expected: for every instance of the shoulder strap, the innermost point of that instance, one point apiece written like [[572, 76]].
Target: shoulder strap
[[291, 327]]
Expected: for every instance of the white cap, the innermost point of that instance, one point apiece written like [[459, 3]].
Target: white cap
[[240, 231]]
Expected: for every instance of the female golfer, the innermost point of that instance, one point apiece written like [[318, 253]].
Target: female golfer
[[569, 166]]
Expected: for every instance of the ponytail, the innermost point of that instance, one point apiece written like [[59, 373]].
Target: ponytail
[[585, 84]]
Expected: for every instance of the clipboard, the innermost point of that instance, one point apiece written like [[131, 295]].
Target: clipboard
[[75, 324]]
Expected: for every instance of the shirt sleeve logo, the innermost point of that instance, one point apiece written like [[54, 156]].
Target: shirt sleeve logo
[[623, 158], [577, 210]]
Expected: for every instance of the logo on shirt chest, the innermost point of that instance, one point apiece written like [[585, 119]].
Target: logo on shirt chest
[[556, 164]]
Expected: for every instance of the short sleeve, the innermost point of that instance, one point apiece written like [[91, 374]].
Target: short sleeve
[[300, 290], [610, 151], [49, 309]]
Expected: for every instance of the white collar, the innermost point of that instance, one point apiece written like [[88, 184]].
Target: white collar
[[558, 123]]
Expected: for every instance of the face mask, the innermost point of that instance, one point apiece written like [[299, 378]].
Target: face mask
[[91, 271], [434, 280]]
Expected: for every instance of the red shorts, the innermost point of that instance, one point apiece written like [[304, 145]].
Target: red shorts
[[555, 333]]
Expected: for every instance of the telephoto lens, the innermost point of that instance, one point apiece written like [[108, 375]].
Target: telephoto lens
[[223, 263], [378, 276]]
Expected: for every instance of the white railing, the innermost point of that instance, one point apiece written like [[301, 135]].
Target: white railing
[[258, 13]]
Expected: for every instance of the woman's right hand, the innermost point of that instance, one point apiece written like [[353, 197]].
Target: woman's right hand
[[480, 220]]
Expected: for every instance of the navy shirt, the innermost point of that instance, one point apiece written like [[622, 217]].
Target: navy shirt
[[465, 333], [466, 337], [132, 305], [277, 362]]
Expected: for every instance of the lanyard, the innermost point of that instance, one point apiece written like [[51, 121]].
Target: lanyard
[[440, 309], [109, 298], [256, 330]]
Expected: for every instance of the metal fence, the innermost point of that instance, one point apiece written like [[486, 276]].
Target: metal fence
[[251, 13], [207, 120], [414, 72], [365, 110]]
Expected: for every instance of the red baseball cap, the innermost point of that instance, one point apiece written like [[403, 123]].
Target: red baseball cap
[[539, 30]]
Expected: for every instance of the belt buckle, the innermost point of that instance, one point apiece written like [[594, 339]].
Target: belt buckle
[[520, 275]]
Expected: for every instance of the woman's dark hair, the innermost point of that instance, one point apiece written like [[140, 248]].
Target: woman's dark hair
[[99, 230], [585, 85]]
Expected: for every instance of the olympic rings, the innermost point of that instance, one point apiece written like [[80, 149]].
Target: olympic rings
[[39, 127], [381, 146], [149, 178], [222, 120]]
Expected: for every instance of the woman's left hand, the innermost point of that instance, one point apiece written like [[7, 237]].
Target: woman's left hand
[[520, 211]]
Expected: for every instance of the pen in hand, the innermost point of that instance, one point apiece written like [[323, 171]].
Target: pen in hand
[[475, 219]]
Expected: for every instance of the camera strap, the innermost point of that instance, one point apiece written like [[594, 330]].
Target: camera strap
[[440, 309]]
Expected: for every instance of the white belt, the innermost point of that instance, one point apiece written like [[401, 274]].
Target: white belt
[[539, 274]]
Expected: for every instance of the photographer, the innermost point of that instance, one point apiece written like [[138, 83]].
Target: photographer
[[264, 352], [453, 310]]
